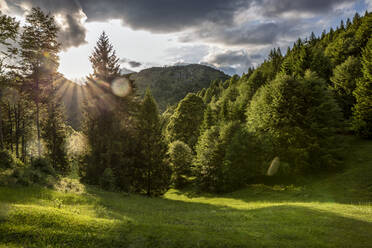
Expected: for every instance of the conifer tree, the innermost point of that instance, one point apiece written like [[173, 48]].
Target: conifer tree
[[8, 31], [362, 115], [344, 81], [154, 170], [105, 64], [39, 52], [55, 136], [209, 119], [300, 117]]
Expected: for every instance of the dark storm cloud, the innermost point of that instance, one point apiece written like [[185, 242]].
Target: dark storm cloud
[[164, 16], [231, 62], [73, 35], [275, 7], [230, 57], [134, 64], [130, 63], [72, 32]]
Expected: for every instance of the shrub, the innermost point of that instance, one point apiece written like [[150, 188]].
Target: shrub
[[67, 185], [107, 181], [7, 161], [43, 165]]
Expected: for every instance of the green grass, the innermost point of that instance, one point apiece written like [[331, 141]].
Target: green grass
[[333, 211]]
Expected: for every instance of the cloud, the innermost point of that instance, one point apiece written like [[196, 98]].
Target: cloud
[[73, 31], [231, 62], [282, 7], [130, 63], [69, 16], [134, 64], [233, 22]]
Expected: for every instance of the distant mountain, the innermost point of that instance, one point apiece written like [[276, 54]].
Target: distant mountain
[[170, 84]]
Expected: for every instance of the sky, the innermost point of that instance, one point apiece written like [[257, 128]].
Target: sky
[[229, 35]]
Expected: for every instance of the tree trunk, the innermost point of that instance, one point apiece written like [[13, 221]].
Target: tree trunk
[[10, 128], [1, 130], [24, 151], [17, 112], [38, 118]]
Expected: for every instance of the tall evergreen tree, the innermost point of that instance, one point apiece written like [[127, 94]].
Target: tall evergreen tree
[[155, 171], [105, 64], [8, 32], [362, 115], [39, 52], [55, 136], [344, 81]]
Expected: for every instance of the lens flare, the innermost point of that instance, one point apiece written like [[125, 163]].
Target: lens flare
[[121, 87]]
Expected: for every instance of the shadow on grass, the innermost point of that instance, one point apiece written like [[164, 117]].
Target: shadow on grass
[[167, 223]]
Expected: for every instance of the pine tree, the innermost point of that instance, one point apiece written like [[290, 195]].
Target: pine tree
[[209, 119], [39, 51], [344, 81], [362, 115], [105, 64], [154, 170], [8, 32], [300, 117], [55, 136]]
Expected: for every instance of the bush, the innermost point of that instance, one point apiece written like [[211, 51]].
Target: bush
[[43, 165], [7, 161], [180, 155], [40, 172], [107, 181]]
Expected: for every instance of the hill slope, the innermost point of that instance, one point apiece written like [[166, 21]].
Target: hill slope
[[170, 84], [334, 211]]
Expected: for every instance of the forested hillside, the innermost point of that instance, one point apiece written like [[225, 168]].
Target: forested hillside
[[292, 107], [170, 84]]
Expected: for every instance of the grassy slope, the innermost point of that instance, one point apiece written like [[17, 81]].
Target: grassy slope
[[331, 212]]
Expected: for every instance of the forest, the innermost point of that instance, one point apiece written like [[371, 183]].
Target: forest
[[293, 118]]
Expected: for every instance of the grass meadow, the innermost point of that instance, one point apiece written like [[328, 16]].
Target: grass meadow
[[328, 211]]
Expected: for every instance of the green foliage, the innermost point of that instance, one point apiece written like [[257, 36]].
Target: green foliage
[[244, 160], [344, 81], [39, 173], [6, 160], [299, 117], [154, 172], [107, 181], [209, 118], [43, 165], [8, 30], [54, 135], [105, 64], [362, 112], [210, 153], [180, 157], [184, 125]]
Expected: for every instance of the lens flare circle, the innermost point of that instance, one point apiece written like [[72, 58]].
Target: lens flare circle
[[121, 87]]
